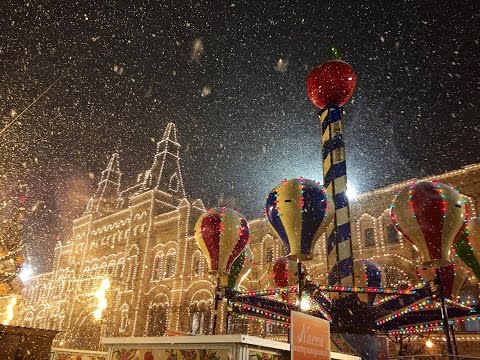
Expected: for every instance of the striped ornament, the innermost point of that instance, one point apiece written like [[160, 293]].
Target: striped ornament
[[222, 234], [368, 274], [430, 215], [339, 244], [299, 212]]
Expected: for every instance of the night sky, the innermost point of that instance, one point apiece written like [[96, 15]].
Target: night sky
[[231, 75]]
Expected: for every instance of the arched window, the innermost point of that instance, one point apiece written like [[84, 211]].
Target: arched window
[[174, 183], [269, 256], [123, 318], [200, 318], [369, 237], [86, 275], [157, 320], [39, 319], [170, 264], [119, 271], [197, 266], [392, 235], [132, 271], [103, 270], [28, 319], [111, 269], [157, 266]]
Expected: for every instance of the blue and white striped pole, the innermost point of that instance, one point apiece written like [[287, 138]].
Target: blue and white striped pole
[[339, 238]]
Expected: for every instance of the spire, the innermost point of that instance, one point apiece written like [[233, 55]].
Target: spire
[[107, 194], [166, 174]]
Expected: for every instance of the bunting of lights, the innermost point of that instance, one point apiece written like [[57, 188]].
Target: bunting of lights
[[421, 305], [261, 320], [260, 311], [330, 288], [430, 326]]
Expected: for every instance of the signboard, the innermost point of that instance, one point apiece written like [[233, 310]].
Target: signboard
[[309, 337]]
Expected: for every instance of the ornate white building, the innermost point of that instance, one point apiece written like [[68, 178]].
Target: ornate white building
[[141, 238]]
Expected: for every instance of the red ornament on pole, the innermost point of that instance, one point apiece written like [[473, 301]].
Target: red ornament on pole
[[332, 82]]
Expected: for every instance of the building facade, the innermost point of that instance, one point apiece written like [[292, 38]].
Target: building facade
[[142, 239]]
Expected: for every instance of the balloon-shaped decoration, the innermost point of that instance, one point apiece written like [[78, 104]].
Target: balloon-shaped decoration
[[467, 247], [299, 211], [430, 215], [453, 277], [285, 272], [240, 268], [331, 83], [368, 274], [221, 235]]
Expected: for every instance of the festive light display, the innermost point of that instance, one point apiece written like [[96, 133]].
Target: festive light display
[[431, 326], [467, 247], [425, 304], [431, 215], [331, 83], [329, 288], [261, 320], [260, 311], [299, 212], [221, 234]]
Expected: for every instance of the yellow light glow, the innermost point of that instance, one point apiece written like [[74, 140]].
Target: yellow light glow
[[101, 299], [9, 311], [429, 344]]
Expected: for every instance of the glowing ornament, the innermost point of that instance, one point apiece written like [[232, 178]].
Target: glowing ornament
[[467, 247], [331, 83], [285, 272], [222, 234], [299, 211], [430, 215]]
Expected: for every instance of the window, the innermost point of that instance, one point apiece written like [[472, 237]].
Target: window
[[269, 254], [197, 267], [131, 272], [170, 266], [123, 318], [157, 320], [369, 235], [157, 267], [200, 315], [119, 269], [392, 235]]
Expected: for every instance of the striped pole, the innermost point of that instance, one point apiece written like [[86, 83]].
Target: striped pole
[[339, 242]]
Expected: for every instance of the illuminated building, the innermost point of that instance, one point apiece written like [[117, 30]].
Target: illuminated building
[[141, 238]]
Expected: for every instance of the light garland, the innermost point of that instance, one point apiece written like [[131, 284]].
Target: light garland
[[426, 304], [260, 311], [260, 320]]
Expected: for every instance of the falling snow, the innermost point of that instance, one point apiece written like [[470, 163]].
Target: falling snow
[[80, 82]]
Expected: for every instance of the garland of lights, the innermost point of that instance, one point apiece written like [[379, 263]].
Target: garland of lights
[[260, 311], [261, 320], [419, 306], [430, 326], [330, 288]]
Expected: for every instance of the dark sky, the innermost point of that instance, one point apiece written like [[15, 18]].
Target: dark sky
[[125, 69]]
